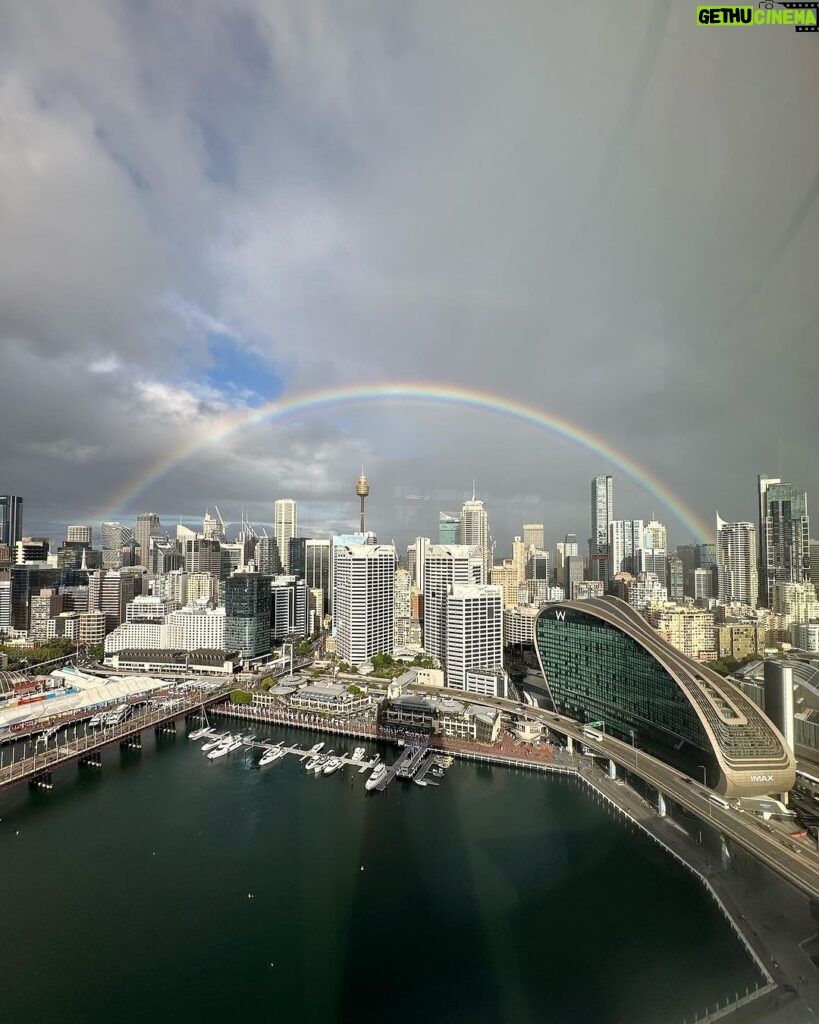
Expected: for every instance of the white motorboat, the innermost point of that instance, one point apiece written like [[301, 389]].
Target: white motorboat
[[235, 744], [316, 748], [269, 756], [320, 763], [358, 754], [376, 776], [311, 764], [280, 753], [221, 749], [333, 765], [214, 741]]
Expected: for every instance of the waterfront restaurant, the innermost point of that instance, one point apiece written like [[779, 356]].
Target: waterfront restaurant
[[330, 699]]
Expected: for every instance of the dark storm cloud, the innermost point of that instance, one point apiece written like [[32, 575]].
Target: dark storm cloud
[[609, 212]]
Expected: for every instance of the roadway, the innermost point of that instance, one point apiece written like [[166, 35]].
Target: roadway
[[798, 864]]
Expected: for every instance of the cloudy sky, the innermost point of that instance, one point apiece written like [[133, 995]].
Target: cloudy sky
[[608, 213]]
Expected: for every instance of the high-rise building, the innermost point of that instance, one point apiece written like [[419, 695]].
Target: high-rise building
[[113, 538], [364, 600], [267, 556], [5, 606], [247, 614], [31, 549], [690, 630], [814, 564], [474, 631], [796, 600], [572, 571], [446, 565], [505, 576], [116, 589], [474, 532], [317, 566], [674, 579], [284, 527], [11, 519], [533, 536], [27, 580], [520, 556], [79, 535], [449, 528], [703, 586], [736, 563], [784, 536], [200, 586], [602, 513], [213, 527], [626, 538], [147, 527], [655, 535], [340, 540], [416, 555], [653, 560], [403, 608], [203, 555], [290, 599], [298, 554], [537, 568]]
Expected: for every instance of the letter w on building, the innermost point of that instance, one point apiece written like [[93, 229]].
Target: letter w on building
[[560, 615]]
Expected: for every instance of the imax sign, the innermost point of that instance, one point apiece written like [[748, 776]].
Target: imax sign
[[762, 778]]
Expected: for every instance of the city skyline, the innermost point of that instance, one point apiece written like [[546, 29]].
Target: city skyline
[[230, 270]]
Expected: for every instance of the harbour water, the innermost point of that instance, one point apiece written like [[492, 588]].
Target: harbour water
[[168, 887]]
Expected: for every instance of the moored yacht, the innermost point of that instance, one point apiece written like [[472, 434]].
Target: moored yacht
[[333, 765], [214, 741], [376, 776], [358, 754]]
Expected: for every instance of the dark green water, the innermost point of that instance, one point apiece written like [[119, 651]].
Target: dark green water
[[500, 896]]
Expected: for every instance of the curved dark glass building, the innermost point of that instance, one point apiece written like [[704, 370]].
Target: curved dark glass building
[[603, 662]]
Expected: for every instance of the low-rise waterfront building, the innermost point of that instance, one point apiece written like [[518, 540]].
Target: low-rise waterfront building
[[178, 663]]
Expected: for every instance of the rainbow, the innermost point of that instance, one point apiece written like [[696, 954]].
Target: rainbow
[[469, 398]]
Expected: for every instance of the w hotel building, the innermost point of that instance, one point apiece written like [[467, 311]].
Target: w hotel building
[[603, 663]]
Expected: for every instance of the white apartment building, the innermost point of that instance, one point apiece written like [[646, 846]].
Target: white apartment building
[[194, 627], [626, 539], [474, 532], [805, 636], [446, 565], [737, 563], [797, 600], [135, 636], [403, 608], [284, 529], [474, 631], [690, 630], [364, 601], [519, 624]]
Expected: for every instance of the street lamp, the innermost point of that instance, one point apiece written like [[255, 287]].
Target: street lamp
[[704, 781], [634, 747]]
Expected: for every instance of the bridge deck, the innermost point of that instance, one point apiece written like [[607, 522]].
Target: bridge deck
[[37, 764]]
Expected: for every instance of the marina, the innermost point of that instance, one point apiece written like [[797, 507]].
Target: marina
[[412, 763]]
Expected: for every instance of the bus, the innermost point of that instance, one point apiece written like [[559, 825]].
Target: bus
[[720, 800], [593, 734]]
